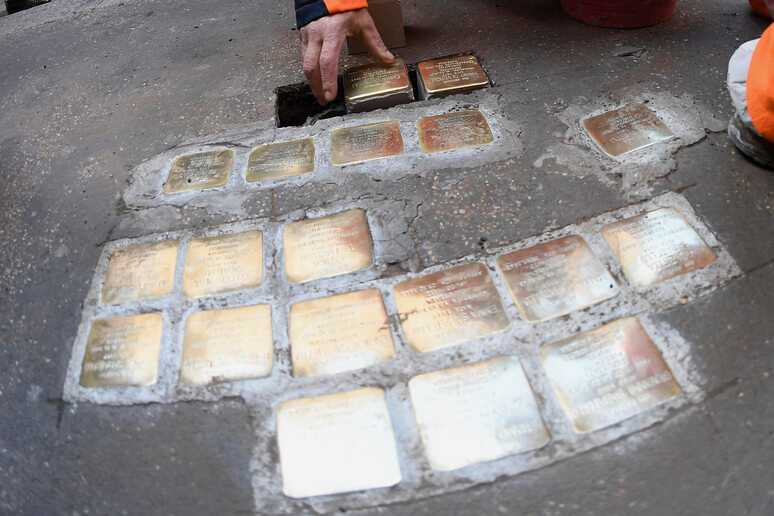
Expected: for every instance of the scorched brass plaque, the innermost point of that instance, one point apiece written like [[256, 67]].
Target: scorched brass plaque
[[453, 131], [607, 375], [327, 246], [362, 143], [454, 74], [227, 345], [278, 160], [555, 278], [339, 333], [450, 307], [140, 272], [199, 171], [123, 352], [225, 263], [476, 413], [337, 443], [627, 129], [657, 246]]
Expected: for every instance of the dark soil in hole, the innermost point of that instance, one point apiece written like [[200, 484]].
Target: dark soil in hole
[[296, 106]]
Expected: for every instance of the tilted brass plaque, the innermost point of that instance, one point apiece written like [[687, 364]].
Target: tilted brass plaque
[[339, 333], [453, 131], [352, 145], [140, 272], [227, 345], [450, 307], [226, 263], [476, 413], [199, 171], [278, 160], [453, 74], [607, 375], [553, 279], [336, 444], [327, 246], [627, 129], [657, 246], [374, 79], [123, 352]]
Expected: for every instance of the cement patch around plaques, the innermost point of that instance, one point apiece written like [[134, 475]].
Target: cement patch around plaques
[[629, 128]]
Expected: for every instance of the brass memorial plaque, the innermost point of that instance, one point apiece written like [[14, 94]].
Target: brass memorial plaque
[[337, 443], [199, 171], [227, 345], [448, 75], [374, 79], [450, 307], [476, 413], [140, 272], [278, 160], [225, 263], [123, 352], [627, 129], [327, 246], [553, 279], [604, 376], [339, 333], [453, 131], [657, 246], [352, 145]]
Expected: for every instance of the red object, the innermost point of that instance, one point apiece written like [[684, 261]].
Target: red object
[[759, 6], [621, 14]]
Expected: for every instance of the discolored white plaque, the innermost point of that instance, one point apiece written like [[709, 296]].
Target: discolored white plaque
[[476, 413], [336, 443], [327, 246], [225, 263], [140, 272], [555, 278], [607, 375], [199, 171], [123, 351], [450, 307], [339, 333], [227, 345], [657, 246], [627, 129], [281, 159], [453, 131], [350, 145]]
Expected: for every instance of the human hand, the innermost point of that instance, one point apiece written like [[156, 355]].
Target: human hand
[[321, 44]]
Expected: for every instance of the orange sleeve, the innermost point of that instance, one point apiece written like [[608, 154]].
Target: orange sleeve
[[760, 86], [340, 6]]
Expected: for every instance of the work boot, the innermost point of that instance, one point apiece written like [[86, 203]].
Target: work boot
[[750, 143]]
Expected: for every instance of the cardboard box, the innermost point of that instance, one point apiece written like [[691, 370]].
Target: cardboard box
[[388, 17]]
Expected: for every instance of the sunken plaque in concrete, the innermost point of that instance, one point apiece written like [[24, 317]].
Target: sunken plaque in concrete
[[221, 264], [476, 413], [450, 307], [604, 376], [453, 131], [327, 246], [657, 246], [123, 351], [351, 145], [377, 86], [199, 171], [140, 272], [627, 129], [278, 160], [553, 279], [449, 75], [336, 444], [339, 333], [227, 345]]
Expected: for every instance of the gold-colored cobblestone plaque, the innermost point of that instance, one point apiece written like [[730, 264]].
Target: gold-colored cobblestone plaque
[[337, 443], [227, 345], [362, 143], [476, 413], [339, 333], [278, 160], [627, 129], [226, 263], [140, 272], [453, 131], [327, 246], [448, 75], [374, 86], [199, 171], [657, 246], [450, 307], [607, 375], [123, 352], [555, 278]]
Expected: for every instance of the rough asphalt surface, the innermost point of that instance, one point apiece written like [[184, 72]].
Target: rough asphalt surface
[[90, 89]]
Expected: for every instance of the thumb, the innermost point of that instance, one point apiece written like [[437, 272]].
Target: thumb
[[373, 41]]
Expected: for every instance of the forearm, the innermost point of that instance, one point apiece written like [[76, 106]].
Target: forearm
[[308, 11]]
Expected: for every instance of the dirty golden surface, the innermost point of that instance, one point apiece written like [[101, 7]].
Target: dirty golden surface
[[199, 171], [350, 145], [281, 159], [224, 263], [374, 79], [627, 129], [453, 74], [453, 131], [140, 272]]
